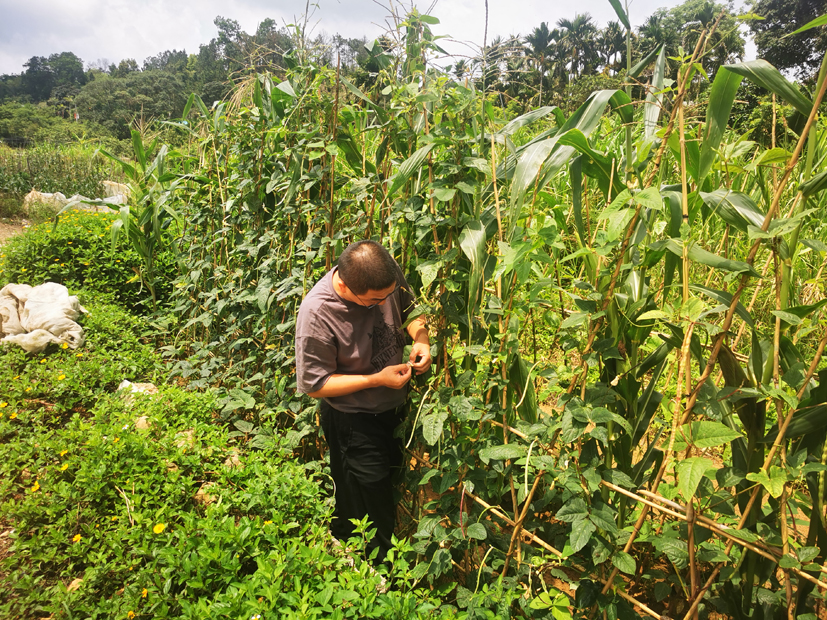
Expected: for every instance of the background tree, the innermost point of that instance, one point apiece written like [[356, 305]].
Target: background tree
[[801, 53], [578, 38]]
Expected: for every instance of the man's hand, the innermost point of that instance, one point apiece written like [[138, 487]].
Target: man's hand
[[395, 376], [420, 357]]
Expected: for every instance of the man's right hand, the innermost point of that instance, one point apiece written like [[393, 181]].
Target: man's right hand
[[395, 376]]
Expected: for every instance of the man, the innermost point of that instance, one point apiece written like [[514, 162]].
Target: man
[[349, 349]]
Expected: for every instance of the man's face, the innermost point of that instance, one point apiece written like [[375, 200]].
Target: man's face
[[376, 298]]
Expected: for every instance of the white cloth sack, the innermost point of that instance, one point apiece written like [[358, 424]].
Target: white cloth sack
[[33, 317]]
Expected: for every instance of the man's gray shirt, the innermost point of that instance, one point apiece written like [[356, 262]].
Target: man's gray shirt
[[336, 336]]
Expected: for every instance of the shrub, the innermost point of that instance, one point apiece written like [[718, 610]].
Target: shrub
[[78, 253]]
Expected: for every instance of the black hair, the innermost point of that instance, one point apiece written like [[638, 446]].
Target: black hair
[[367, 266]]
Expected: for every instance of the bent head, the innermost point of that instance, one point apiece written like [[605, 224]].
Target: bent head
[[367, 273]]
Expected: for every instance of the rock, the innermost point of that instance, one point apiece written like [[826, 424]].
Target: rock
[[130, 388], [76, 583], [185, 439], [203, 496], [143, 423], [233, 461]]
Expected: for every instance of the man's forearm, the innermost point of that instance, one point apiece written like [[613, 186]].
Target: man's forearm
[[418, 330], [342, 385]]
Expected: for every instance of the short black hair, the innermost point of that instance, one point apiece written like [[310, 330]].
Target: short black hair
[[367, 266]]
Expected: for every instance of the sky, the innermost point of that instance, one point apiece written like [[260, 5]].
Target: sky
[[113, 30]]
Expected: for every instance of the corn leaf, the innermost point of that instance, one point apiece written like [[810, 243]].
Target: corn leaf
[[408, 168], [766, 76], [735, 208], [654, 97], [818, 21], [721, 98], [699, 255]]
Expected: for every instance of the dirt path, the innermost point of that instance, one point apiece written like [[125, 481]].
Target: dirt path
[[9, 228]]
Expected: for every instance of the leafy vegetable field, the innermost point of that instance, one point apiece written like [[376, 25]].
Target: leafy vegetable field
[[627, 411]]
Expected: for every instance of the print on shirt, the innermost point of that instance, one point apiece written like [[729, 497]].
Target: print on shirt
[[387, 342]]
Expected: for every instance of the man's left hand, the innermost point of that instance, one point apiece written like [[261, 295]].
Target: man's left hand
[[420, 357]]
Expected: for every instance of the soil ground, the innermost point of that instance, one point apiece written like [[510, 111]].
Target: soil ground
[[9, 228]]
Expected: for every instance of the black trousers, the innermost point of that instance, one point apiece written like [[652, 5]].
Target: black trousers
[[365, 461]]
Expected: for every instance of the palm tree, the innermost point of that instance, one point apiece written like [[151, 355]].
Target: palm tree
[[612, 44], [579, 40], [541, 42]]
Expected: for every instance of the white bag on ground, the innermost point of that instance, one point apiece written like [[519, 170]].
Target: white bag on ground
[[33, 317]]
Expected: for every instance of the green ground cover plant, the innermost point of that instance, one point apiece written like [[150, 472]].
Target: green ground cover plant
[[79, 253]]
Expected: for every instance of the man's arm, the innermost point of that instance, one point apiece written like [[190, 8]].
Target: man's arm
[[421, 348], [393, 377]]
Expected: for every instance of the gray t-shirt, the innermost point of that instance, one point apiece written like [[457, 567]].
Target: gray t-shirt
[[336, 336]]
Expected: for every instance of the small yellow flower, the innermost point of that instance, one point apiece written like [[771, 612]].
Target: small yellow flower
[[43, 361], [65, 345], [13, 415], [114, 518], [4, 404], [69, 242], [116, 440], [15, 378], [35, 486], [64, 467], [23, 269], [267, 522], [61, 377], [63, 453], [78, 354], [77, 538], [28, 389], [144, 592], [130, 615], [159, 528]]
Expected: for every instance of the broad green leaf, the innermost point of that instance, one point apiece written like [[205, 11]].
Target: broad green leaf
[[772, 482], [428, 271], [432, 425], [444, 194], [502, 452], [476, 530], [653, 315], [721, 98], [581, 534], [649, 198], [766, 76], [705, 434], [408, 168], [690, 472], [787, 317], [788, 561], [573, 510], [624, 562]]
